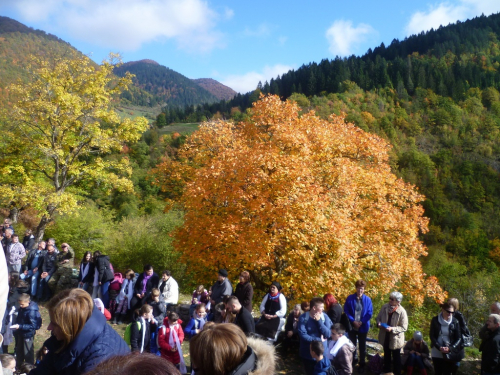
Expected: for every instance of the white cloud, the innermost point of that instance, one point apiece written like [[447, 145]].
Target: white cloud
[[260, 31], [228, 13], [343, 38], [448, 12], [282, 40], [127, 24], [249, 81]]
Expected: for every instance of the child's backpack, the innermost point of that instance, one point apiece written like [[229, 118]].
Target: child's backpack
[[128, 331], [38, 319], [376, 364], [116, 284]]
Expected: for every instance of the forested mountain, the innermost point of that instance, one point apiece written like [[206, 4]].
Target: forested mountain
[[222, 92], [165, 85], [435, 97]]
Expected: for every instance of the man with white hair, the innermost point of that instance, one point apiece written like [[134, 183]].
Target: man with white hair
[[484, 332], [490, 360]]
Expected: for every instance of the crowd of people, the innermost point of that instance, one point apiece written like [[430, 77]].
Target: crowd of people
[[225, 337]]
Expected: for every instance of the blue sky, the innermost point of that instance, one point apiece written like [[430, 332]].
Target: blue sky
[[236, 42]]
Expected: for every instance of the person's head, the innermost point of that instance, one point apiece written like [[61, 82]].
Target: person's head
[[15, 238], [337, 331], [317, 349], [329, 300], [65, 247], [8, 232], [304, 305], [51, 241], [165, 275], [244, 277], [8, 361], [221, 275], [25, 368], [41, 245], [129, 274], [360, 287], [296, 310], [495, 308], [173, 317], [200, 310], [51, 249], [133, 364], [493, 322], [317, 305], [454, 302], [233, 304], [200, 289], [395, 298], [24, 300], [155, 293], [447, 310], [418, 337], [96, 255], [148, 270], [28, 232], [69, 310], [7, 222], [87, 257], [275, 288], [42, 352], [146, 311], [217, 349]]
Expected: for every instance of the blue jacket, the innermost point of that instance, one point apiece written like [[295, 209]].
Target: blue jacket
[[94, 344], [311, 330], [366, 313], [322, 367], [26, 318]]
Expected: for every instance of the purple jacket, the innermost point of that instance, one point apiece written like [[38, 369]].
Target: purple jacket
[[366, 313]]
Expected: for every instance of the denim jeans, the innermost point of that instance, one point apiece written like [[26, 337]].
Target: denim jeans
[[43, 292], [415, 361], [34, 280]]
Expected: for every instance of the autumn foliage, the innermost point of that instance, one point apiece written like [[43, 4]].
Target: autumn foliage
[[308, 202]]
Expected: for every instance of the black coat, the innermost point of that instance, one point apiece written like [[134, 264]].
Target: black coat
[[245, 321], [490, 361], [136, 336], [455, 334], [31, 256], [244, 292], [90, 275], [49, 263], [29, 242], [335, 313], [104, 269], [153, 282], [289, 323]]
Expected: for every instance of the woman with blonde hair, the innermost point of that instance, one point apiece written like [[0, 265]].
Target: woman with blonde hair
[[80, 339], [223, 349]]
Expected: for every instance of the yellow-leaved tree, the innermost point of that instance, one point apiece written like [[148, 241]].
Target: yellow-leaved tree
[[57, 136], [310, 203]]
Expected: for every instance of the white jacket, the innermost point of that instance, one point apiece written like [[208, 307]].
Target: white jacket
[[130, 293], [170, 292]]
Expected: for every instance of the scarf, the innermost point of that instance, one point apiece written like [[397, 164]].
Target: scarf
[[144, 282], [343, 340], [98, 303], [85, 269], [274, 297], [174, 340], [392, 309], [143, 324], [199, 321]]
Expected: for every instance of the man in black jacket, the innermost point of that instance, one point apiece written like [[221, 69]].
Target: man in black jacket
[[143, 287], [490, 361], [48, 267], [244, 319], [33, 264]]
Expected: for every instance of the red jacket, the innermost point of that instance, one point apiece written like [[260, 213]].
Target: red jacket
[[163, 340]]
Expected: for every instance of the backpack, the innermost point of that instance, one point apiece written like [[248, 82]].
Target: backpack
[[376, 364], [128, 331], [38, 319], [117, 282]]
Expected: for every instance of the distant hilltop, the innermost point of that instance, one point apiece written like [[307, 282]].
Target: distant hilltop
[[222, 92], [146, 61]]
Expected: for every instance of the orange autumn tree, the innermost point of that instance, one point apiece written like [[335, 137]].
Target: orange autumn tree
[[308, 202]]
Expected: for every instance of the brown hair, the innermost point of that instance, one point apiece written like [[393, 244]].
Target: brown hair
[[316, 301], [133, 364], [218, 349], [145, 309], [129, 273], [173, 317], [199, 306], [245, 276], [155, 292], [360, 283], [70, 310], [24, 297], [447, 306], [200, 289]]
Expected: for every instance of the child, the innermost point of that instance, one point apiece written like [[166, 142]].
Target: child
[[40, 354], [140, 334], [198, 320], [100, 306], [25, 368], [322, 363], [200, 295], [8, 361], [158, 307], [416, 354], [124, 297], [340, 350], [27, 322], [170, 338]]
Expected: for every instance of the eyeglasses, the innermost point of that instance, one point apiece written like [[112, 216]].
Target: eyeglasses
[[392, 299], [449, 312]]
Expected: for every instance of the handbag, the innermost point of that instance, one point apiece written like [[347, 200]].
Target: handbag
[[467, 340]]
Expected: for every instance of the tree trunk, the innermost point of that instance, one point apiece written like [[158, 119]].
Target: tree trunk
[[14, 214], [40, 229]]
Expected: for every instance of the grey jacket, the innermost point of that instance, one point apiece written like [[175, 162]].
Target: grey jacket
[[219, 290]]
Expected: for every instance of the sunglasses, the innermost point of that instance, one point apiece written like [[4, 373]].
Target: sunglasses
[[392, 299], [449, 312]]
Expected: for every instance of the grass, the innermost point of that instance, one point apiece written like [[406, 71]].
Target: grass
[[181, 128]]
